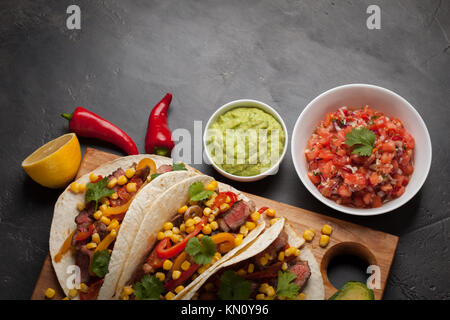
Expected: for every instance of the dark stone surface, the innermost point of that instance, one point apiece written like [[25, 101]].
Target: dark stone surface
[[129, 53]]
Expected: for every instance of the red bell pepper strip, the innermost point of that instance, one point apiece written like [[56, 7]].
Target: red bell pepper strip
[[84, 234], [89, 125], [165, 251], [159, 138], [222, 197], [172, 284], [261, 210]]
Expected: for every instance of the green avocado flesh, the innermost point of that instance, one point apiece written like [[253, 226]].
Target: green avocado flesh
[[353, 290]]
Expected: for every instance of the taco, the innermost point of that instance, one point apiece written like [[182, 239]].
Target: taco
[[89, 213], [272, 267], [194, 227]]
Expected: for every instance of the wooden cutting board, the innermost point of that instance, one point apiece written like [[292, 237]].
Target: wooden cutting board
[[375, 247]]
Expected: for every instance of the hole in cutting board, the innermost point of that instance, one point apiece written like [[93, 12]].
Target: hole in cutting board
[[344, 268]]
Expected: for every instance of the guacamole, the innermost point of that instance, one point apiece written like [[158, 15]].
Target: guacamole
[[242, 139]]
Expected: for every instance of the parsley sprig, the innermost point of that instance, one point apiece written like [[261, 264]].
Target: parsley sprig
[[362, 141]]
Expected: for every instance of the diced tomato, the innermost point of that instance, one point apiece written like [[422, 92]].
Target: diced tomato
[[388, 146], [315, 178], [375, 179]]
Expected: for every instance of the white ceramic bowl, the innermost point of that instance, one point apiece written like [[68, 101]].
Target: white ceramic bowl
[[380, 99], [246, 103]]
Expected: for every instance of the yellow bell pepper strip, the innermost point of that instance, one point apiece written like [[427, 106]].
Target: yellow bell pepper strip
[[65, 247], [179, 260], [147, 162], [111, 211], [224, 240]]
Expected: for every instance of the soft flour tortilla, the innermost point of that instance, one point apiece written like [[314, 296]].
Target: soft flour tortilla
[[65, 211], [314, 288], [162, 210]]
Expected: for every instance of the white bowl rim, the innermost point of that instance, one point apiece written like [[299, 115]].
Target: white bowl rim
[[241, 103], [356, 211]]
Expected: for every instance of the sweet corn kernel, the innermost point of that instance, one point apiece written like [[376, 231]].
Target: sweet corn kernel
[[185, 265], [214, 225], [176, 274], [93, 177], [250, 225], [105, 220], [281, 256], [81, 206], [197, 219], [113, 225], [182, 227], [216, 211], [327, 229], [238, 239], [182, 210], [241, 272], [179, 289], [103, 207], [297, 252], [176, 230], [168, 233], [98, 214], [125, 297], [190, 229], [206, 229], [91, 245], [212, 186], [112, 183], [200, 235], [175, 238], [65, 298], [168, 226], [75, 187], [211, 218], [202, 269], [114, 196], [160, 275], [122, 180], [217, 256], [324, 240], [290, 251], [82, 187], [260, 296], [243, 230], [272, 221], [167, 265], [263, 287], [130, 173], [224, 207], [49, 293], [190, 222], [207, 211], [308, 235], [284, 266], [131, 187], [263, 261], [255, 216], [160, 235], [128, 290], [251, 268], [302, 296], [73, 293], [270, 291], [169, 295], [211, 200], [113, 232], [84, 287], [270, 213]]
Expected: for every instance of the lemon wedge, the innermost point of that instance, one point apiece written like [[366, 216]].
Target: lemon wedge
[[56, 163]]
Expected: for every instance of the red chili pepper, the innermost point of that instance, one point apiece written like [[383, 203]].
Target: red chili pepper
[[159, 138], [172, 284], [165, 251], [89, 125]]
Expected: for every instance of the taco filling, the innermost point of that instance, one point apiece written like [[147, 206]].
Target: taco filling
[[210, 225], [275, 273], [107, 200]]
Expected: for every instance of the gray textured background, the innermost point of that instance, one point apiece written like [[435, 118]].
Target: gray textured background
[[129, 53]]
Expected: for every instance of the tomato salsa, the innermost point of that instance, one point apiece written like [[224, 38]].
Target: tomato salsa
[[360, 158]]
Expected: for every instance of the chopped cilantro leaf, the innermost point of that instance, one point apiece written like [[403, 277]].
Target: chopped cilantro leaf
[[202, 251], [285, 287], [100, 262], [233, 287], [97, 190], [197, 192], [149, 288], [362, 141]]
